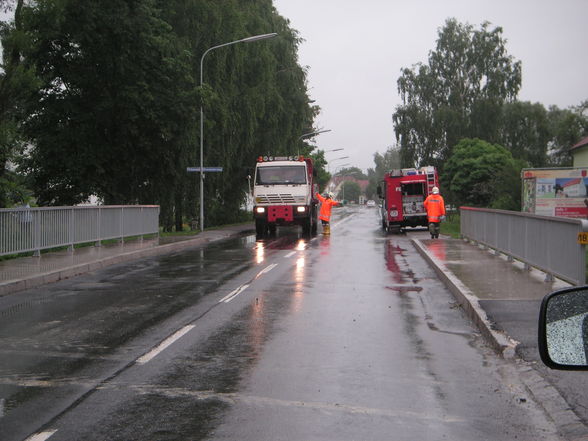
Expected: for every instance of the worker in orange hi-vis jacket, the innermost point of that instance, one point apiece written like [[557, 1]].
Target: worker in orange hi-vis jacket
[[435, 206], [327, 203]]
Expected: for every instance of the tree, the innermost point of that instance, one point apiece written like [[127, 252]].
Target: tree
[[525, 132], [116, 111], [116, 114], [384, 163], [18, 83], [354, 172], [319, 162], [350, 191], [115, 102], [567, 127], [459, 93], [481, 174], [255, 96]]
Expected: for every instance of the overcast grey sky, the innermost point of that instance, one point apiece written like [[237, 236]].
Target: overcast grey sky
[[355, 49]]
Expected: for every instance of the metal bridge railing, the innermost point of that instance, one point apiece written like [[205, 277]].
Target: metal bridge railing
[[549, 244], [34, 229]]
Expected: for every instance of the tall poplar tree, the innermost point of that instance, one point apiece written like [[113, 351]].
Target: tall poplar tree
[[458, 94]]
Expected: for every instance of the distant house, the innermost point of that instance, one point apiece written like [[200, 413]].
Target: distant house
[[580, 153]]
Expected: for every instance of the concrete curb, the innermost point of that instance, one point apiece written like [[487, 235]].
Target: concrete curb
[[569, 425], [503, 344], [37, 280]]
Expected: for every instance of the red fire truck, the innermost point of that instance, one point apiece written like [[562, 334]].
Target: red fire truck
[[403, 192]]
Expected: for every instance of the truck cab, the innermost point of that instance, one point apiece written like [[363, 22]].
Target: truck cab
[[284, 194]]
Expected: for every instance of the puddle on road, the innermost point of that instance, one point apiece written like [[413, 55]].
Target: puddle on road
[[396, 261], [404, 289]]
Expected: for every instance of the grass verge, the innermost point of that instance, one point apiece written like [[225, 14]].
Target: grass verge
[[451, 226]]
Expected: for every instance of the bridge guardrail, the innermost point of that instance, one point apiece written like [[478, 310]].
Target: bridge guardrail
[[34, 229], [547, 243]]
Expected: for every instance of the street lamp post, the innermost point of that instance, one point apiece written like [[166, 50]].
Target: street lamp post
[[339, 167], [306, 135], [333, 160], [243, 40]]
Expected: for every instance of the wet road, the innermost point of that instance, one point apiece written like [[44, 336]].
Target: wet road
[[347, 337]]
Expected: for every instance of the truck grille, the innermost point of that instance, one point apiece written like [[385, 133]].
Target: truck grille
[[283, 198]]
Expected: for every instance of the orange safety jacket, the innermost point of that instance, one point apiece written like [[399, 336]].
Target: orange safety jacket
[[435, 206], [326, 205]]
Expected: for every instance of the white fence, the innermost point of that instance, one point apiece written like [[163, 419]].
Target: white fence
[[547, 243], [34, 229]]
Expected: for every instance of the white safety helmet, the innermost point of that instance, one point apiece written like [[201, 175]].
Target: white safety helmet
[[331, 195], [435, 190]]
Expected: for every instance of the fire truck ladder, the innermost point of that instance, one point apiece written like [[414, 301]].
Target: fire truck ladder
[[430, 181]]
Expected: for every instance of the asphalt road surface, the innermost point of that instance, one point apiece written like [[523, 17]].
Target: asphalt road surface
[[342, 337]]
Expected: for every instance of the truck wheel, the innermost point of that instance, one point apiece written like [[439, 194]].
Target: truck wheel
[[306, 226], [314, 227], [260, 227]]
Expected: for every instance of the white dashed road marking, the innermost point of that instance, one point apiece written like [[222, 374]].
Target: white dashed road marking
[[163, 345]]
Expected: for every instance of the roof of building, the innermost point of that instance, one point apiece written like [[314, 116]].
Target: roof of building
[[582, 143], [363, 183]]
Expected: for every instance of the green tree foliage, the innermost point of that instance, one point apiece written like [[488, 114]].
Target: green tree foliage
[[458, 94], [525, 132], [116, 99], [320, 163], [384, 163], [258, 102], [18, 83], [481, 174], [117, 114], [567, 127], [353, 172], [350, 191]]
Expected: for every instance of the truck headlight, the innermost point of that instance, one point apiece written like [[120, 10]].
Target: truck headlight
[[260, 210], [300, 209]]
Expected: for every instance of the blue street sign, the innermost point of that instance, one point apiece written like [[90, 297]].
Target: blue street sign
[[205, 169]]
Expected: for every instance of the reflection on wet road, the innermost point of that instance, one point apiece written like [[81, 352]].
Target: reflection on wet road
[[340, 337]]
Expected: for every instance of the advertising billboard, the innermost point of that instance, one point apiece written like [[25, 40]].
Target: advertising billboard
[[555, 192]]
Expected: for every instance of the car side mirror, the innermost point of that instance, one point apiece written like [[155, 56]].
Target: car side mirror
[[563, 329]]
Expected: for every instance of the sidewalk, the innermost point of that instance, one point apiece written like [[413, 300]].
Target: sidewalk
[[29, 272], [490, 289], [503, 300]]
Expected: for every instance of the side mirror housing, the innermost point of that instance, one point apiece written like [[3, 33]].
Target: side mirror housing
[[563, 329]]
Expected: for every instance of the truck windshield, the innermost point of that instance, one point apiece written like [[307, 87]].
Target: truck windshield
[[284, 174]]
